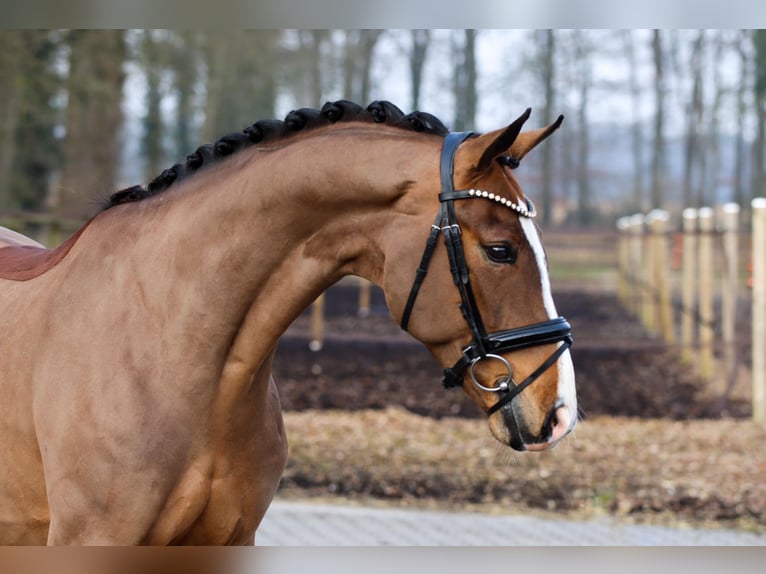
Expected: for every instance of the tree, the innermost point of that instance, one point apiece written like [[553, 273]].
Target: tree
[[11, 53], [37, 151], [464, 79], [636, 132], [712, 161], [758, 187], [742, 45], [692, 194], [358, 51], [417, 60], [153, 64], [658, 146], [183, 62], [546, 40], [241, 79], [93, 118], [583, 83]]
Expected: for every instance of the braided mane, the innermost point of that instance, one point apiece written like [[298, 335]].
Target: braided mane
[[381, 112]]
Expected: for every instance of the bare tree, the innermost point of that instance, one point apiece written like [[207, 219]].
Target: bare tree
[[759, 173], [185, 52], [464, 78], [742, 44], [417, 59], [359, 48], [241, 79], [584, 83], [658, 146], [692, 193], [11, 54], [35, 112], [547, 77], [94, 118], [312, 42], [153, 65], [636, 131], [712, 160]]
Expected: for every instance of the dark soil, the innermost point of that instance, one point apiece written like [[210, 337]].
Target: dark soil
[[370, 363]]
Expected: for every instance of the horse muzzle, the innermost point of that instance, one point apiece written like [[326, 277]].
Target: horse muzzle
[[513, 427]]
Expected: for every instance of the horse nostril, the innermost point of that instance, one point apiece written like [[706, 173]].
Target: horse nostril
[[560, 421]]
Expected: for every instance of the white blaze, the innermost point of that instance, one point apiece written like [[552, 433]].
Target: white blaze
[[566, 388], [533, 238]]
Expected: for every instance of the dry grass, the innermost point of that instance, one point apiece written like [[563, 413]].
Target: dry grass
[[697, 472]]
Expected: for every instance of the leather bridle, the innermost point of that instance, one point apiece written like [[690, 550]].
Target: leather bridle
[[483, 346]]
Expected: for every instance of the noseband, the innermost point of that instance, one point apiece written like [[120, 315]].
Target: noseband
[[483, 346]]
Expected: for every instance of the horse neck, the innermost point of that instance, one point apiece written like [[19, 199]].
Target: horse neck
[[270, 229]]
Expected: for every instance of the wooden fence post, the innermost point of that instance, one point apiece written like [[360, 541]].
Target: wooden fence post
[[688, 285], [706, 282], [759, 309], [364, 298], [663, 310], [317, 324], [730, 291], [624, 286], [637, 265], [643, 270], [650, 276]]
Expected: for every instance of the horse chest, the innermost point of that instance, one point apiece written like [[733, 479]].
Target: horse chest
[[247, 463], [227, 506]]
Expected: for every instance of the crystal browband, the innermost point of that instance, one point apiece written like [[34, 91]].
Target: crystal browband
[[527, 210]]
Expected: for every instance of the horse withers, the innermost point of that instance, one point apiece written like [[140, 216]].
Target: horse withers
[[138, 405]]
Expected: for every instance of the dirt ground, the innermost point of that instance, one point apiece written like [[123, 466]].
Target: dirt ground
[[368, 420]]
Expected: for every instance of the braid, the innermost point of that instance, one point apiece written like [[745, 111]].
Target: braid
[[262, 131]]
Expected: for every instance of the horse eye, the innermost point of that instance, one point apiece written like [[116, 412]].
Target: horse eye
[[500, 253]]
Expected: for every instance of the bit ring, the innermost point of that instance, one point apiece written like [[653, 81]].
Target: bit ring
[[503, 385]]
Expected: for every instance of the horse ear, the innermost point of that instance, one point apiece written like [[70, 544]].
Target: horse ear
[[510, 141], [501, 141], [528, 140]]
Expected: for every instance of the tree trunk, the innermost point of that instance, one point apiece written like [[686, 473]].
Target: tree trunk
[[711, 156], [350, 45], [464, 81], [420, 42], [11, 54], [241, 80], [758, 188], [548, 76], [636, 133], [738, 193], [153, 132], [358, 51], [94, 118], [368, 41], [692, 154], [184, 65], [658, 151], [312, 44], [585, 80], [37, 151]]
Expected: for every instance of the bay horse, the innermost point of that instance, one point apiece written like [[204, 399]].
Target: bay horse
[[138, 405]]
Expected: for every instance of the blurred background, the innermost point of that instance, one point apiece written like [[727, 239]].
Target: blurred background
[[654, 118]]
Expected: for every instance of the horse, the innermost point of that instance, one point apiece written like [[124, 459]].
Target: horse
[[138, 405]]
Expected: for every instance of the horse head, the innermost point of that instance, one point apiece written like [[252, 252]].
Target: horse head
[[481, 300]]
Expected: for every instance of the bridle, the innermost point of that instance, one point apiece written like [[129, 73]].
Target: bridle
[[483, 346]]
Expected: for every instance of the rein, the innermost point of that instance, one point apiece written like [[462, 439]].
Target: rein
[[483, 346]]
